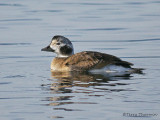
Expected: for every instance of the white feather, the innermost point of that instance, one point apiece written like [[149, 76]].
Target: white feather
[[111, 69]]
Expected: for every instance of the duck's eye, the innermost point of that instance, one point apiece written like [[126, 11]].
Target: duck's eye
[[57, 43]]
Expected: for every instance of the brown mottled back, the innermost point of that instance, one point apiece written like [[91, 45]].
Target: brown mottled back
[[88, 60]]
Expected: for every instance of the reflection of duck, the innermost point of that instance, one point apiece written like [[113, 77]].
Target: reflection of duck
[[82, 82], [66, 60], [83, 79]]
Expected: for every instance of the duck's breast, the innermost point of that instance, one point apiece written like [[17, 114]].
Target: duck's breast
[[58, 64]]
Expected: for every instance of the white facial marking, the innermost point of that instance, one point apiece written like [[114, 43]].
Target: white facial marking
[[57, 44]]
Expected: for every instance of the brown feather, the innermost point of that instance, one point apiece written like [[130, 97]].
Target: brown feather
[[93, 60]]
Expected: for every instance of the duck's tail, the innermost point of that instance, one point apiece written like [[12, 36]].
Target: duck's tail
[[137, 70]]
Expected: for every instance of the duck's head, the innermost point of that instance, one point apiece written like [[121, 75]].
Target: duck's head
[[60, 45]]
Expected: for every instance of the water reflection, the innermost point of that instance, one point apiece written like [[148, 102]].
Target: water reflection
[[85, 79], [65, 83]]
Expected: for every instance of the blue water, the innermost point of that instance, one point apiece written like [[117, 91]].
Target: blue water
[[127, 29]]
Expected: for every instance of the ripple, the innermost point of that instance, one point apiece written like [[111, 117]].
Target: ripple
[[143, 57], [151, 15], [55, 117], [95, 4], [114, 90], [6, 57], [101, 29], [16, 98], [135, 3], [107, 48], [4, 83], [141, 101], [15, 43], [14, 76], [52, 11], [96, 95], [29, 112], [65, 109], [4, 98], [17, 20], [58, 98], [66, 103], [155, 1], [3, 27], [87, 3], [83, 3], [140, 40], [17, 5]]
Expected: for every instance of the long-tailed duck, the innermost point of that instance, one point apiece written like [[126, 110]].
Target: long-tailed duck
[[66, 60]]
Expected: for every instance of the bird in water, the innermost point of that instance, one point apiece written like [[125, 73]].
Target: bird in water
[[66, 60]]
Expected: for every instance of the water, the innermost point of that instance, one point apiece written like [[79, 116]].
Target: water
[[129, 30]]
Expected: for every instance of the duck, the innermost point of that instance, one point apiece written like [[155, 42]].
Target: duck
[[93, 61]]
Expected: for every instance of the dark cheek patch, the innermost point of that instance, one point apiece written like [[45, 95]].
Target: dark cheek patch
[[66, 50]]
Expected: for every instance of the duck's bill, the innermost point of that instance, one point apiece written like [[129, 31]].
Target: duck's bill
[[48, 49]]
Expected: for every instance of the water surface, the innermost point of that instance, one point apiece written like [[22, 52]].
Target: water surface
[[29, 90]]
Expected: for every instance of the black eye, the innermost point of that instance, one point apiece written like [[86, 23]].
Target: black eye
[[57, 43]]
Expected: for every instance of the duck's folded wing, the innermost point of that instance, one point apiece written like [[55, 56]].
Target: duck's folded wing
[[88, 60]]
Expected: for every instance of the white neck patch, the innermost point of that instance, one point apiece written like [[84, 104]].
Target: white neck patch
[[62, 56]]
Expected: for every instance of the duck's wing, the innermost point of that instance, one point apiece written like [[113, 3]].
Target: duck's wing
[[88, 60]]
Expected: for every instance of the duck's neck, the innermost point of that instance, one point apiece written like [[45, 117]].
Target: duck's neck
[[64, 55]]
